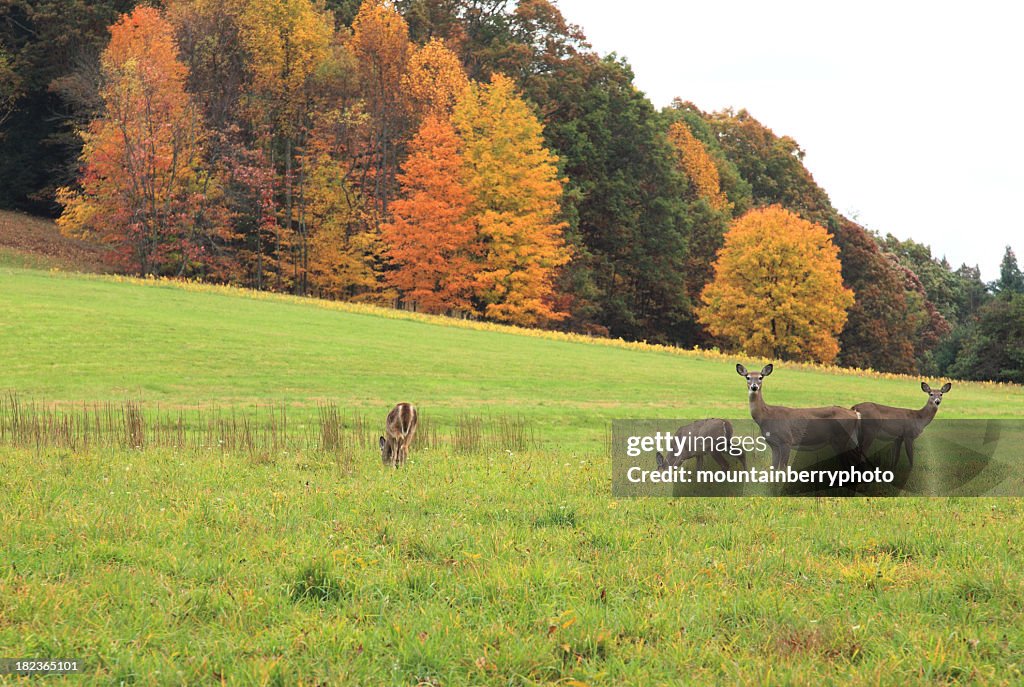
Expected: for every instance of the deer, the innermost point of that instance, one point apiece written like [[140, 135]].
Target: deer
[[399, 430], [901, 425], [799, 429], [705, 437]]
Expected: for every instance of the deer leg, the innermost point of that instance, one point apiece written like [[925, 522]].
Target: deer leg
[[700, 462], [896, 451], [720, 457], [783, 457], [867, 438], [910, 451]]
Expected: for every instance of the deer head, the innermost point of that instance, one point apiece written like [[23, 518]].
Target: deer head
[[935, 397], [386, 451], [755, 380], [662, 464]]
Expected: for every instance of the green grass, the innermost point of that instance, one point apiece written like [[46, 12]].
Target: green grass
[[498, 568], [94, 339], [167, 569]]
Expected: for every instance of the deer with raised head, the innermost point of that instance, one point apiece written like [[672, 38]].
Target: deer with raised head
[[399, 430], [799, 429], [703, 437], [900, 425]]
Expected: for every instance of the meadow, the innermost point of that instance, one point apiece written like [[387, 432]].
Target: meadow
[[499, 564]]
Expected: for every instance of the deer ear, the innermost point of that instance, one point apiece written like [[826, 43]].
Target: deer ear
[[740, 370], [382, 442], [767, 369], [946, 387], [925, 388]]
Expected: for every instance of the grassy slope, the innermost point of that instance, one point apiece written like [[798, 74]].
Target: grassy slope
[[94, 339], [179, 569]]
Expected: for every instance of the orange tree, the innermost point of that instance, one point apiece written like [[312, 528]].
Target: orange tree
[[778, 291], [430, 236]]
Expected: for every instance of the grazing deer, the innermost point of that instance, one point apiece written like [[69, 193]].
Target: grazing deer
[[800, 429], [901, 425], [704, 437], [399, 429]]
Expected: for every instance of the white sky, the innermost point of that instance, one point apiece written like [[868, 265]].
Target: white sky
[[909, 112]]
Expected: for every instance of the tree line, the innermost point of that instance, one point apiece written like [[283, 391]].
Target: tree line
[[471, 157]]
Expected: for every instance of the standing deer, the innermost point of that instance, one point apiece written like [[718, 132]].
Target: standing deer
[[901, 425], [704, 437], [800, 429], [399, 430]]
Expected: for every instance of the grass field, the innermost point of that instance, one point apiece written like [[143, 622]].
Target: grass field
[[497, 567]]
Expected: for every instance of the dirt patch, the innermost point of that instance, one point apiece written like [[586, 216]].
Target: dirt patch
[[40, 237]]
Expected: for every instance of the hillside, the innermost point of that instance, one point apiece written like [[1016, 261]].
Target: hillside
[[190, 345], [28, 241]]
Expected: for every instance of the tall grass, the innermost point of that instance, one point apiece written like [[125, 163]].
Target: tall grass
[[260, 432]]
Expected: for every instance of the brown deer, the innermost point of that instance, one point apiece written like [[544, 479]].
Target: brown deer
[[800, 429], [900, 425], [399, 430], [704, 437]]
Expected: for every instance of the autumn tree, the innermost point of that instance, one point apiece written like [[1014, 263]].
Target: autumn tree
[[709, 209], [380, 43], [778, 289], [435, 79], [881, 327], [699, 167], [249, 183], [431, 238], [209, 34], [736, 189], [287, 41], [141, 174], [346, 253], [515, 189]]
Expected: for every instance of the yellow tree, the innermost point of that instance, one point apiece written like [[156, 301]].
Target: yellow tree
[[515, 188], [778, 290], [699, 166], [435, 79]]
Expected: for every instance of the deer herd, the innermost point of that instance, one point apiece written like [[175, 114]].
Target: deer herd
[[843, 430], [846, 431]]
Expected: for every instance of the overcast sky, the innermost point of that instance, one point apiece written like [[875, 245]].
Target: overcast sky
[[909, 112]]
